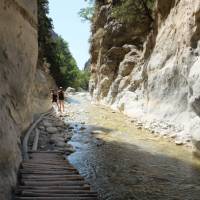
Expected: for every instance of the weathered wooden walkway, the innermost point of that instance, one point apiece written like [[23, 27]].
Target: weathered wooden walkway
[[49, 176]]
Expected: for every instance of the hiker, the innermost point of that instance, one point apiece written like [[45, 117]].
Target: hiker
[[54, 97], [61, 98]]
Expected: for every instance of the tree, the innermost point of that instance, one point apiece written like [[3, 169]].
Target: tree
[[45, 28], [133, 11], [87, 13], [55, 51]]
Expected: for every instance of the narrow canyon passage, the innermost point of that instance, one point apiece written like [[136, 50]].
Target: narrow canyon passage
[[140, 57], [122, 162]]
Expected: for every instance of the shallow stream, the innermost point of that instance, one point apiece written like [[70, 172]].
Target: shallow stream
[[122, 162]]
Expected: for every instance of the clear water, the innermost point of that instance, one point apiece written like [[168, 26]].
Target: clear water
[[124, 163]]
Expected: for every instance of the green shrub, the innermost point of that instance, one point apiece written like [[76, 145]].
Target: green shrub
[[133, 11]]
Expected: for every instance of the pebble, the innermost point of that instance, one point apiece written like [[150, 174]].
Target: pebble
[[52, 130], [47, 124], [67, 124], [188, 140], [82, 128], [173, 135], [60, 124], [71, 127], [97, 132], [51, 141], [60, 144], [69, 148], [177, 142], [41, 127]]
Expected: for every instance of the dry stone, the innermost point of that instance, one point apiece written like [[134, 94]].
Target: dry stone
[[52, 130], [162, 82]]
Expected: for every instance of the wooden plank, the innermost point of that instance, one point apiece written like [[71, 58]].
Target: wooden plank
[[50, 176], [47, 162], [52, 179], [49, 158], [51, 173], [46, 152], [35, 194], [52, 183], [36, 139], [44, 167], [56, 198], [57, 191], [46, 170], [85, 187], [37, 160], [27, 135]]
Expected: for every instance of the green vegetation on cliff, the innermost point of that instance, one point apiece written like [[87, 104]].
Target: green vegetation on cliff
[[55, 51], [87, 13], [126, 11], [133, 11]]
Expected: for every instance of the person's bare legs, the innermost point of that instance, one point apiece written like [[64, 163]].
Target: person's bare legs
[[59, 106], [62, 106]]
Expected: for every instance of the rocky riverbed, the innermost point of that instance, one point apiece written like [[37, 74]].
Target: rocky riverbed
[[54, 134], [124, 161], [117, 156]]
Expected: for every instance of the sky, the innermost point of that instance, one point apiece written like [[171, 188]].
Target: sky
[[68, 24]]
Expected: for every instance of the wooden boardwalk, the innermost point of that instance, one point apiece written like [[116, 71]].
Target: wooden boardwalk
[[49, 176]]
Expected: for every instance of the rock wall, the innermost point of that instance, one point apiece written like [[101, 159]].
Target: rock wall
[[18, 61], [157, 84]]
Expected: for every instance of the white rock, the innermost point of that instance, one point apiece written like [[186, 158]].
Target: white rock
[[97, 132]]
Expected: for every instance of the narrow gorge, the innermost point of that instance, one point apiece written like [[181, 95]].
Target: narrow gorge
[[150, 70], [144, 82], [24, 85]]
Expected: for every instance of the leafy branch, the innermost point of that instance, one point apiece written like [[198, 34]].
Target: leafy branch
[[87, 13]]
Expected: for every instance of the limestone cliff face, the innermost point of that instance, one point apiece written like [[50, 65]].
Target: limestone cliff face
[[18, 61], [156, 84]]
